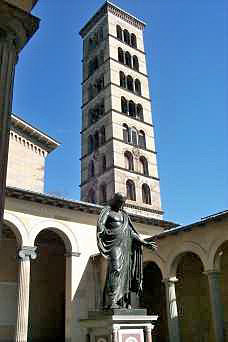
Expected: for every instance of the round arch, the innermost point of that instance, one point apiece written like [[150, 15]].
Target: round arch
[[70, 241], [213, 255], [157, 259], [18, 228], [175, 256]]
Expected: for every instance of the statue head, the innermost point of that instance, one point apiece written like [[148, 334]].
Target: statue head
[[118, 201]]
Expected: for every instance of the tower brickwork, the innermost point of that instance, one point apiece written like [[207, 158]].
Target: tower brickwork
[[118, 145]]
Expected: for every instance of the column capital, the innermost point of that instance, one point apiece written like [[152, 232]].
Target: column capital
[[19, 24], [212, 273], [71, 254], [171, 280], [27, 252]]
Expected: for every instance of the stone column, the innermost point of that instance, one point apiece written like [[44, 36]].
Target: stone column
[[148, 333], [16, 28], [115, 333], [172, 313], [23, 293], [216, 305]]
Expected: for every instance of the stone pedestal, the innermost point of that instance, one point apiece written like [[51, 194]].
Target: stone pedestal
[[119, 325]]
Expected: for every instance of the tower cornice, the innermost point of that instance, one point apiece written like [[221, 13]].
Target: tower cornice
[[109, 7]]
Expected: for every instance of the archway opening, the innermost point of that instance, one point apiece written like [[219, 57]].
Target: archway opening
[[193, 302], [47, 289], [8, 283], [153, 299]]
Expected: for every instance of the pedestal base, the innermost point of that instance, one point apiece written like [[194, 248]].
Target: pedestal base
[[119, 325]]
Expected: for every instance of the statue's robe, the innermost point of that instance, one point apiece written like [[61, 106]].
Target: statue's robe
[[121, 245]]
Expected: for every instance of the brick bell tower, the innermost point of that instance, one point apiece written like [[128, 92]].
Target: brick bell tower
[[117, 138]]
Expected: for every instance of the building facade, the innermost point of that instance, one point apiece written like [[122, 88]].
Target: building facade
[[117, 137]]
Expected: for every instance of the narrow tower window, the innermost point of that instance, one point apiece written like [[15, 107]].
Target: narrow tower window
[[123, 105], [137, 87], [132, 111], [96, 140], [92, 196], [91, 169], [103, 193], [130, 187], [144, 166], [134, 136], [126, 133], [122, 80], [120, 56], [130, 83], [119, 32], [102, 134], [135, 63], [90, 144], [146, 196], [128, 59], [129, 162], [126, 37], [103, 164], [142, 139], [133, 41], [140, 111]]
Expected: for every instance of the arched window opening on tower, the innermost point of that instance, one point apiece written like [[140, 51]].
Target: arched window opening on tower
[[134, 136], [103, 164], [130, 187], [126, 133], [101, 33], [90, 91], [102, 134], [91, 117], [133, 41], [120, 56], [128, 59], [103, 193], [91, 169], [123, 105], [126, 37], [99, 85], [96, 140], [90, 144], [144, 166], [146, 196], [140, 111], [142, 139], [130, 83], [132, 110], [128, 160], [138, 87], [101, 57], [119, 32], [135, 63], [122, 80], [92, 196]]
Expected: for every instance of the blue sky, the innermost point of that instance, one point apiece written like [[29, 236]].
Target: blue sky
[[186, 46]]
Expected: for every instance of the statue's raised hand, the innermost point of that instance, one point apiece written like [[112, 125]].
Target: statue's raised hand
[[150, 244]]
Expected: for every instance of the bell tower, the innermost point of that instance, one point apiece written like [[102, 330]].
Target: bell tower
[[117, 138]]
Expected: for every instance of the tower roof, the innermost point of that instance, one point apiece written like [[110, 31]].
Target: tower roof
[[110, 7]]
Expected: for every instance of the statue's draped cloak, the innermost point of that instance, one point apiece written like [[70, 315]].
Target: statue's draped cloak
[[124, 252]]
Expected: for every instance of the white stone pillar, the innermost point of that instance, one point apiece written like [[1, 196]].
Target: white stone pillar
[[216, 304], [172, 312], [23, 293], [148, 333]]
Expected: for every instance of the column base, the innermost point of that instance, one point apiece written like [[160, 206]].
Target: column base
[[119, 325]]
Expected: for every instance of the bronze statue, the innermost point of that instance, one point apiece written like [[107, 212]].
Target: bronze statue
[[119, 242]]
